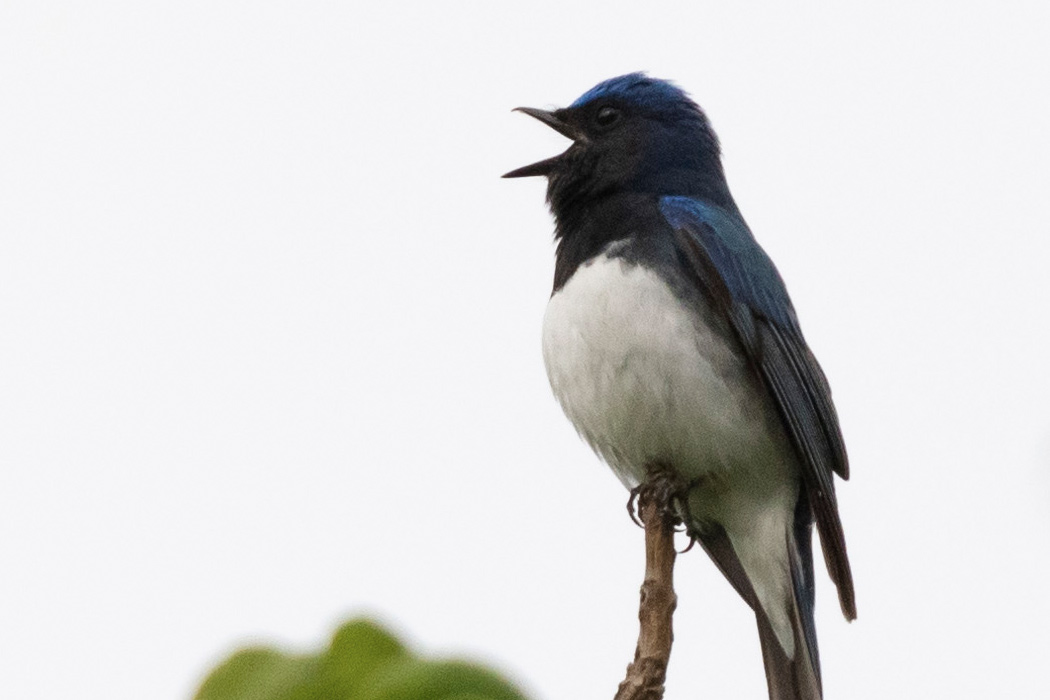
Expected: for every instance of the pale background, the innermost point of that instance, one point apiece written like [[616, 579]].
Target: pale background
[[269, 336]]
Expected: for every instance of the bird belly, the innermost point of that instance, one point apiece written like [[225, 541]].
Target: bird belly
[[647, 378]]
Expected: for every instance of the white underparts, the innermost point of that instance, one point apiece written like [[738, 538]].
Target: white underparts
[[647, 379]]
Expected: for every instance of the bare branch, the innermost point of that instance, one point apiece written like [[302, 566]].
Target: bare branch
[[646, 674]]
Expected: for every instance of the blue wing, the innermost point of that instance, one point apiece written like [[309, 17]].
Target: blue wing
[[742, 282]]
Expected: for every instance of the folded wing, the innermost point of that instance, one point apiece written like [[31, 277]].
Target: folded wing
[[742, 283]]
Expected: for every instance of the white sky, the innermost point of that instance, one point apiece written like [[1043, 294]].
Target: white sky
[[269, 336]]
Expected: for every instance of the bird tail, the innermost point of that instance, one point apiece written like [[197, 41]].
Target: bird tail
[[785, 582], [796, 677]]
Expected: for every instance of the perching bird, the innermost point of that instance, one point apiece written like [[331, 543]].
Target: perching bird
[[669, 339]]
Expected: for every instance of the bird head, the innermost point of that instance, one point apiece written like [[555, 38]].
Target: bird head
[[630, 134]]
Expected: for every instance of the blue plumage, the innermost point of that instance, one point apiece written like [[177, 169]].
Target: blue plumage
[[637, 87], [741, 265], [670, 338]]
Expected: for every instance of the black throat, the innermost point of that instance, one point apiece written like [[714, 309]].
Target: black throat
[[625, 217], [587, 222]]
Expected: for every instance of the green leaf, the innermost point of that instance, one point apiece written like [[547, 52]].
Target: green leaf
[[359, 648], [414, 679], [259, 674], [363, 662]]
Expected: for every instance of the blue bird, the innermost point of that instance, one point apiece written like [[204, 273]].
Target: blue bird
[[670, 339]]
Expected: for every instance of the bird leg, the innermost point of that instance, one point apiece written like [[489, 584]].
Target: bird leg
[[657, 498], [664, 487]]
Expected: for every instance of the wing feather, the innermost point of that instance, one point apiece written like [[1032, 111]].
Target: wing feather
[[741, 281]]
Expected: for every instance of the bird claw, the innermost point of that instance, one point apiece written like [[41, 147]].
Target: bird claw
[[631, 510], [692, 540], [665, 489]]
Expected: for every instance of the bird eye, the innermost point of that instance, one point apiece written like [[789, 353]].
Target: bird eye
[[607, 116]]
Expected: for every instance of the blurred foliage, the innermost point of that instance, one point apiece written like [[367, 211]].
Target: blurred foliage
[[363, 662]]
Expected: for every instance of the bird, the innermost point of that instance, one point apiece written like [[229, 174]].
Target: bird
[[669, 339]]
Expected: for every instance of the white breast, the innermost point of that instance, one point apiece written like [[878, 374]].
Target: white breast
[[646, 379]]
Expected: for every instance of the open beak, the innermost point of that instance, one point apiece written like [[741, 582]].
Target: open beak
[[551, 119]]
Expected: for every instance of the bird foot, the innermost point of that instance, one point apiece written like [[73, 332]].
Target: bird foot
[[662, 488]]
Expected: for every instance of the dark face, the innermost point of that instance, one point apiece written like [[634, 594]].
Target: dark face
[[607, 153], [653, 141]]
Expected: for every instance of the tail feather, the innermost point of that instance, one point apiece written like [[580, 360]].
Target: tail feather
[[795, 677], [800, 550], [798, 677]]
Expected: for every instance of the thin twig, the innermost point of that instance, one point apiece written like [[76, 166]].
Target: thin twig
[[646, 674]]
